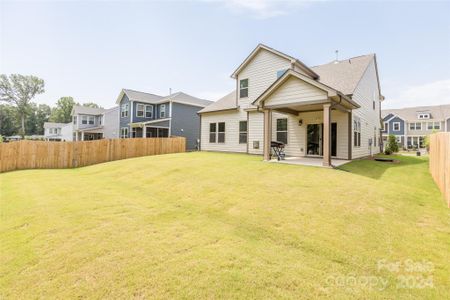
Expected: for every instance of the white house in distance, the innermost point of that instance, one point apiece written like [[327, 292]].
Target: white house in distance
[[87, 124], [331, 110], [57, 131]]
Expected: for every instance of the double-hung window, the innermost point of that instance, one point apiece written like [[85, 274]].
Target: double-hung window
[[357, 132], [74, 120], [221, 132], [242, 132], [217, 132], [91, 120], [124, 132], [430, 125], [84, 120], [140, 110], [437, 125], [396, 126], [243, 88], [212, 132], [415, 126], [162, 111], [282, 131], [149, 111], [124, 110]]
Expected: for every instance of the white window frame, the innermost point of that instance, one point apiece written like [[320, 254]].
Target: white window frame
[[357, 132], [221, 132], [91, 120], [282, 131], [386, 126], [74, 120], [84, 120], [124, 132], [124, 110], [148, 109], [243, 88], [243, 133], [424, 116], [162, 111], [393, 126], [140, 110], [438, 127]]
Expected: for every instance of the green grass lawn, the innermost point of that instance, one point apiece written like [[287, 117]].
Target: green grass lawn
[[210, 225]]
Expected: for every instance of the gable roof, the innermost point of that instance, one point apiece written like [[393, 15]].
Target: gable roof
[[178, 97], [344, 75], [437, 112], [184, 98], [79, 109], [291, 73], [138, 96], [260, 47], [227, 102]]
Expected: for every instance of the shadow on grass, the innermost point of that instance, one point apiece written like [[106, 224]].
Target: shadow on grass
[[375, 169]]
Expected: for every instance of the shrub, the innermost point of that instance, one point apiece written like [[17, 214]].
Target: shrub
[[387, 151], [392, 145], [1, 139]]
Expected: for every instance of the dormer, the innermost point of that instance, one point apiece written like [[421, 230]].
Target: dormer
[[261, 69], [423, 116]]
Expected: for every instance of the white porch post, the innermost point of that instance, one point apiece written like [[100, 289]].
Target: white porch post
[[82, 136], [267, 133], [326, 135], [144, 131]]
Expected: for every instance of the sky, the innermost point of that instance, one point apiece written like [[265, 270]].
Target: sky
[[90, 50]]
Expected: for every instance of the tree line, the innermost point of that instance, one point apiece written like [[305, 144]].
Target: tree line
[[19, 115]]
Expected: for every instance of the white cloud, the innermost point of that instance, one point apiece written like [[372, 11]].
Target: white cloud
[[433, 93], [264, 9]]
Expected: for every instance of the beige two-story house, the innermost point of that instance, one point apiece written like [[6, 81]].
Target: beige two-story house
[[327, 111]]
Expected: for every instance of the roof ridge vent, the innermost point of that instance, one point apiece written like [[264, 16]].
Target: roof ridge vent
[[337, 56]]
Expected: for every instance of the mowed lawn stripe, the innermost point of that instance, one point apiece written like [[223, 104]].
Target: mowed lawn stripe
[[219, 225]]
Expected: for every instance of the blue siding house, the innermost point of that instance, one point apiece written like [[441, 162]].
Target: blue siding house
[[149, 115], [393, 124]]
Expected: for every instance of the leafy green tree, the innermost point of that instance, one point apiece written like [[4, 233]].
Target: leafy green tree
[[8, 120], [30, 123], [62, 112], [19, 90], [42, 115], [92, 104]]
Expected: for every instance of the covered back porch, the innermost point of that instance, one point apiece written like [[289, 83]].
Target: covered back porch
[[317, 120]]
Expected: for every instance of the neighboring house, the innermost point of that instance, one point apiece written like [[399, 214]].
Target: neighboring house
[[94, 123], [57, 131], [411, 125], [148, 115], [331, 110]]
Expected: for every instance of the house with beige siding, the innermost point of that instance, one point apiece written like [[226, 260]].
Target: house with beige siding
[[410, 125], [327, 111]]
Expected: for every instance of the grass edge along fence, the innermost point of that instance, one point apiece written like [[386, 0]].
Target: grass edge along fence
[[60, 155], [440, 162]]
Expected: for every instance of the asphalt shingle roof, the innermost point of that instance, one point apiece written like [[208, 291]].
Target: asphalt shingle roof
[[343, 75], [437, 112], [224, 103]]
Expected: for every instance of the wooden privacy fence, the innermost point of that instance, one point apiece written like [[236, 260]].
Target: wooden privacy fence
[[440, 162], [59, 155]]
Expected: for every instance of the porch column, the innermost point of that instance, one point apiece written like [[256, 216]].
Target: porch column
[[326, 135], [82, 136], [144, 132], [267, 133]]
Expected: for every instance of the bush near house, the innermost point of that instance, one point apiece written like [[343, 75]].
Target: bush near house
[[392, 146]]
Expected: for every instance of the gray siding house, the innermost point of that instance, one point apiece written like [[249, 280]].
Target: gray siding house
[[94, 123], [147, 115], [411, 125]]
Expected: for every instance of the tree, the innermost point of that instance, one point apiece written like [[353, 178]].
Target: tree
[[8, 120], [92, 104], [392, 145], [62, 112], [42, 115], [19, 90]]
